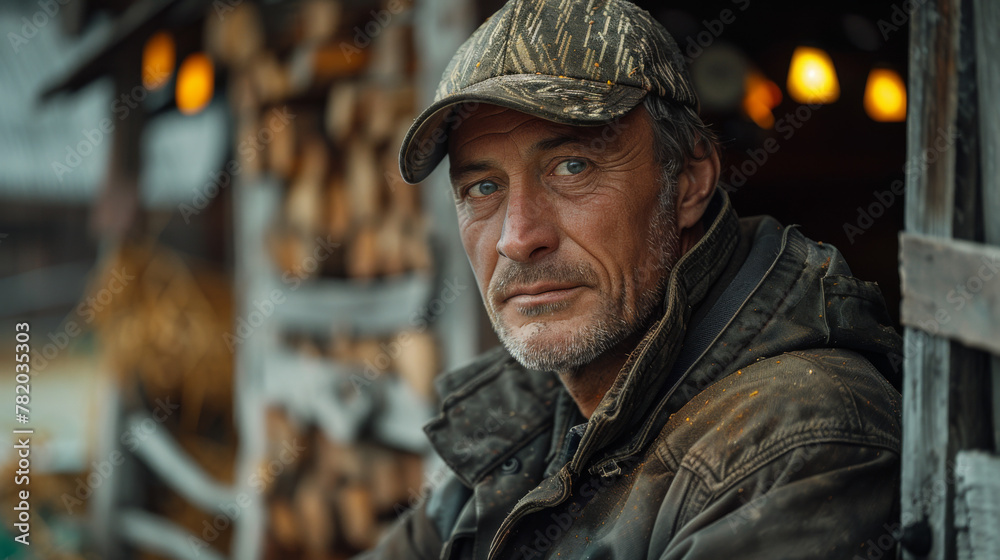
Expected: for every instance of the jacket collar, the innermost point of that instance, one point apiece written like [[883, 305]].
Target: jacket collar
[[493, 407], [640, 382]]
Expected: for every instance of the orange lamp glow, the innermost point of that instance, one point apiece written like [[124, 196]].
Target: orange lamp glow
[[195, 83], [761, 96], [885, 96], [158, 59], [811, 77]]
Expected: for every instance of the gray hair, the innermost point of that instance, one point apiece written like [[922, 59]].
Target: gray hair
[[677, 133]]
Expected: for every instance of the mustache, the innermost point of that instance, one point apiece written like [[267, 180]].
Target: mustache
[[517, 275]]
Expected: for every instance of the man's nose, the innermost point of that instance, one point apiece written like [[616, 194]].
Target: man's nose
[[529, 226]]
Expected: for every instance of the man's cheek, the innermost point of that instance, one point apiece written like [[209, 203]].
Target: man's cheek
[[483, 265]]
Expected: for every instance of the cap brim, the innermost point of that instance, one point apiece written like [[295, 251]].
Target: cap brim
[[560, 99]]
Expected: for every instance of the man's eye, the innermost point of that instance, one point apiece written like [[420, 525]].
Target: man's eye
[[570, 167], [483, 188]]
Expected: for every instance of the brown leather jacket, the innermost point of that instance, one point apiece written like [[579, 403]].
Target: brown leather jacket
[[752, 421]]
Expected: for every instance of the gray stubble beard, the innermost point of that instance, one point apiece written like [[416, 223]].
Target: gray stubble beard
[[619, 321]]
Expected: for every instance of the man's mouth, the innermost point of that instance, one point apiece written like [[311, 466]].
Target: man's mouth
[[542, 293]]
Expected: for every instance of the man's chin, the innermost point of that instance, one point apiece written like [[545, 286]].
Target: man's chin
[[541, 335], [555, 345]]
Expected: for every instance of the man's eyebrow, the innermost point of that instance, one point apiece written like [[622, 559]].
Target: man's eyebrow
[[457, 171], [557, 142]]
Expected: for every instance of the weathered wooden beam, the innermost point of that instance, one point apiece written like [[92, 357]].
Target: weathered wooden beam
[[977, 505], [152, 533], [930, 181], [987, 20], [951, 288], [167, 459]]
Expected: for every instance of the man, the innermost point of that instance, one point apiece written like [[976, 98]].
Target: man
[[674, 382]]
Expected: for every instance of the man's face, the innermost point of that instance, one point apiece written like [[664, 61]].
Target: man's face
[[565, 227]]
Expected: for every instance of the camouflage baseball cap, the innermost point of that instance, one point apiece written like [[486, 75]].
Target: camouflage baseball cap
[[578, 62]]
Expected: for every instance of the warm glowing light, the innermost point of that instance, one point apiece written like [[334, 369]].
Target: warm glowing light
[[811, 77], [761, 96], [158, 59], [885, 96], [194, 83]]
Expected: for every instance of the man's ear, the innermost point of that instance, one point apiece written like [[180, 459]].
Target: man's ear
[[695, 185]]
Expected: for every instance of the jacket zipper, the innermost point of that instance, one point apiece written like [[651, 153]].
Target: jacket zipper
[[515, 516]]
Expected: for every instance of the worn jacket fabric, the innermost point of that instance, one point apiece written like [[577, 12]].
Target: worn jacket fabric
[[754, 420]]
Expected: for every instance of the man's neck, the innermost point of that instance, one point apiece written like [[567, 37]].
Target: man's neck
[[589, 383]]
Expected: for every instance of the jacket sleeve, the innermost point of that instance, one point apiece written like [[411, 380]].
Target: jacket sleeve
[[413, 537], [825, 500]]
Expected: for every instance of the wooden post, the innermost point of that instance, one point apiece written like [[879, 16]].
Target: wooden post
[[987, 18], [930, 199], [952, 195]]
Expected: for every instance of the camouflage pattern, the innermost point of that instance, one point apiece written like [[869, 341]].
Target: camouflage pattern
[[568, 61]]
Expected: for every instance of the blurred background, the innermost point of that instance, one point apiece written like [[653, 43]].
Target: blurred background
[[236, 306]]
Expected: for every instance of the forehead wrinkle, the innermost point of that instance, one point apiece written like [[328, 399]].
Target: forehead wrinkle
[[632, 158], [510, 126], [454, 147], [455, 173], [549, 143]]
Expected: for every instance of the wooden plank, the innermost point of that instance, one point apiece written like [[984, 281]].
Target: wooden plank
[[951, 288], [168, 460], [152, 533], [977, 505], [382, 309], [313, 387], [933, 87]]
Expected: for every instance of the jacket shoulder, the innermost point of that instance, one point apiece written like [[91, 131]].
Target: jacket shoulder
[[764, 410], [451, 381]]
